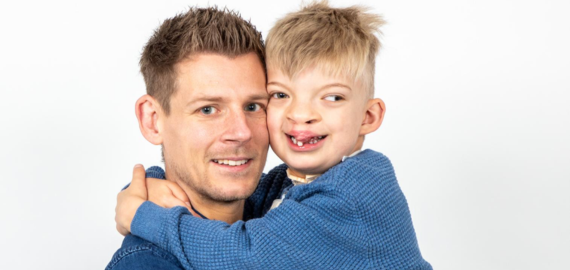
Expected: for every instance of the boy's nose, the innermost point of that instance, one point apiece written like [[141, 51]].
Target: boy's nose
[[303, 114]]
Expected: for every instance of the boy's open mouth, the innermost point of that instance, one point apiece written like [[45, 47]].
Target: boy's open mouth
[[300, 141]]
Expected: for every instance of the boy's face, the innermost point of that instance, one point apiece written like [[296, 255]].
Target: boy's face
[[314, 120]]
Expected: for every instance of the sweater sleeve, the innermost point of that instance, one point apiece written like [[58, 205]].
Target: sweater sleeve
[[317, 231], [270, 187], [353, 217]]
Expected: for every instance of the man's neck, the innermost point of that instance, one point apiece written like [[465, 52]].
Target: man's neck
[[228, 212]]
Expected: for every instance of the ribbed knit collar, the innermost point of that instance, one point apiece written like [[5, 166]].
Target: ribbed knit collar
[[310, 177]]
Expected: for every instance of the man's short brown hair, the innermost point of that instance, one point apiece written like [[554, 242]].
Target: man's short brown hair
[[200, 30], [339, 41]]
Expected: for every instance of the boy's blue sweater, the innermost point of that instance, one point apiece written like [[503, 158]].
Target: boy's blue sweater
[[354, 216]]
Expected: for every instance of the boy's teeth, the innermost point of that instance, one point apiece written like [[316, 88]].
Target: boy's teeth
[[311, 141], [230, 162]]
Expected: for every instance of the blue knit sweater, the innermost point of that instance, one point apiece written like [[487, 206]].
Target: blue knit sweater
[[354, 216]]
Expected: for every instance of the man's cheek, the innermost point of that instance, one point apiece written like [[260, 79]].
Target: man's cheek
[[260, 128]]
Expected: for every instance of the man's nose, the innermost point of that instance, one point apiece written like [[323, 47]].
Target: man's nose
[[300, 112], [237, 128]]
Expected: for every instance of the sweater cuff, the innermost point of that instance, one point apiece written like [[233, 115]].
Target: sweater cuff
[[149, 222]]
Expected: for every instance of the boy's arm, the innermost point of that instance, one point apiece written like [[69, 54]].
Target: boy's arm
[[296, 235], [269, 188], [305, 233], [154, 188], [319, 227], [129, 199]]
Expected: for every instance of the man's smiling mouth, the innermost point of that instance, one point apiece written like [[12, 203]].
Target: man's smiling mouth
[[231, 162]]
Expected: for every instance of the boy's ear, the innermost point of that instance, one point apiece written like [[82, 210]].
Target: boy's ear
[[147, 110], [373, 117]]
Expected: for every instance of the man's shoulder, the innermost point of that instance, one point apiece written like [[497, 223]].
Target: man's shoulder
[[137, 253]]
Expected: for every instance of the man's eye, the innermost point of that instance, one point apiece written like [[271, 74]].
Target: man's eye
[[333, 98], [253, 107], [280, 95], [208, 110]]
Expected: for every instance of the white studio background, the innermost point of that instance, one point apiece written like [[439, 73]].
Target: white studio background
[[477, 125]]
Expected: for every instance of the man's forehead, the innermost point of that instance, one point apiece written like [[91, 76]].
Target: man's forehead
[[218, 78]]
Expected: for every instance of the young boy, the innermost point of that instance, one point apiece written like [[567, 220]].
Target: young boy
[[337, 207]]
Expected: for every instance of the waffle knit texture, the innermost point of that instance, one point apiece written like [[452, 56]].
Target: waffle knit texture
[[354, 216]]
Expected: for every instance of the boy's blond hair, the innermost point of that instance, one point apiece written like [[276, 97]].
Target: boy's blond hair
[[339, 41]]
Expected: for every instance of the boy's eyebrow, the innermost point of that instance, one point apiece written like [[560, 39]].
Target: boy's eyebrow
[[323, 87], [278, 84], [335, 85]]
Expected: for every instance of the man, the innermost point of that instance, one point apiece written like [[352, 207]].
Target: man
[[205, 77]]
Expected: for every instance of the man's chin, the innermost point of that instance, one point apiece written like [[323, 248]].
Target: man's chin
[[230, 196], [230, 188]]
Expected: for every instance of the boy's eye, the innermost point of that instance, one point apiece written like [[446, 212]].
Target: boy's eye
[[280, 95], [208, 110], [253, 107], [333, 98]]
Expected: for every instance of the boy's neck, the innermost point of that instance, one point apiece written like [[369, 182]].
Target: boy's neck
[[296, 173]]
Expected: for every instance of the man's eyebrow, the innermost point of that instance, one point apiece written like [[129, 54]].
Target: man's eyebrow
[[264, 96], [205, 98]]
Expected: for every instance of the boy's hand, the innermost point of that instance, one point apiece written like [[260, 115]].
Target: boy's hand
[[166, 193], [129, 200], [163, 193]]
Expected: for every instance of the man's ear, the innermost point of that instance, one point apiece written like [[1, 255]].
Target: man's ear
[[147, 110], [373, 117]]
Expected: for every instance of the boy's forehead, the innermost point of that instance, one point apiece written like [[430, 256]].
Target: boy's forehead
[[315, 75]]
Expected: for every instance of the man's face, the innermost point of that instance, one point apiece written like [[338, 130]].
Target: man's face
[[215, 138]]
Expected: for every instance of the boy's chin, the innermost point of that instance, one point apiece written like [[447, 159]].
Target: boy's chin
[[307, 169], [308, 164]]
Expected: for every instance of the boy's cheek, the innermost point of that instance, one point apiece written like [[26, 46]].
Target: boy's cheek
[[273, 119]]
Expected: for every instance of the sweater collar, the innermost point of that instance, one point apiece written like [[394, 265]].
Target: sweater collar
[[310, 177]]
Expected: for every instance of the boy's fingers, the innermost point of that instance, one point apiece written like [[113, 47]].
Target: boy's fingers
[[173, 202], [122, 230], [178, 192], [192, 212], [154, 186], [157, 189], [138, 184]]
